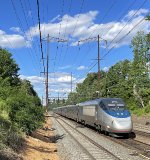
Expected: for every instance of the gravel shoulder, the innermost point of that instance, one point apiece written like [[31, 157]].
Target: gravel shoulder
[[68, 149], [142, 120], [41, 145]]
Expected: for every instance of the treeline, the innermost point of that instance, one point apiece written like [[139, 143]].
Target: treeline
[[21, 111], [129, 80]]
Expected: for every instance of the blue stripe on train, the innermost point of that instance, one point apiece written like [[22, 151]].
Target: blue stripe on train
[[119, 114]]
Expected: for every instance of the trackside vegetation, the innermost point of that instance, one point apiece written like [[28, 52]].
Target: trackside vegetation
[[21, 111], [129, 80]]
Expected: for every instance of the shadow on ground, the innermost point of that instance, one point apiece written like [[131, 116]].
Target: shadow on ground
[[48, 139]]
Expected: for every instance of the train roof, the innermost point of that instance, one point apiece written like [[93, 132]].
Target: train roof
[[64, 106], [97, 101]]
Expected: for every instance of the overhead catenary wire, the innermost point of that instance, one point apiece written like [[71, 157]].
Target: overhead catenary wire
[[23, 31], [124, 37], [69, 10], [39, 24], [122, 15], [87, 71], [134, 13], [121, 39], [80, 10], [33, 21], [34, 46], [105, 15], [59, 33]]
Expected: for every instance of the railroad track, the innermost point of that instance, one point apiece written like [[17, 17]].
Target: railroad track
[[141, 133], [142, 128], [142, 149], [91, 149]]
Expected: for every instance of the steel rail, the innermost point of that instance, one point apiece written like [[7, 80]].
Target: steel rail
[[90, 140]]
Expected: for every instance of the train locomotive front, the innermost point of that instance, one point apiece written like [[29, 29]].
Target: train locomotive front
[[114, 116]]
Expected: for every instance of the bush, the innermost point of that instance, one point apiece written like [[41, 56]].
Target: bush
[[147, 109], [25, 113]]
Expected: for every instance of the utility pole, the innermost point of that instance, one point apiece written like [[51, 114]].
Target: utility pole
[[98, 59], [46, 69], [47, 66], [98, 46]]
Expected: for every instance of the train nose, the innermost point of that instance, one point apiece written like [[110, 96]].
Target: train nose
[[122, 125]]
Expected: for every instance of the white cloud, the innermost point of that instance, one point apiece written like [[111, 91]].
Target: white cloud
[[65, 90], [65, 67], [55, 18], [81, 26], [61, 83], [12, 40], [78, 27], [80, 80], [105, 69], [81, 68], [33, 79], [15, 29], [140, 12], [79, 21]]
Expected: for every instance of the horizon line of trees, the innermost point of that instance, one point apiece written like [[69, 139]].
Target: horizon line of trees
[[129, 80]]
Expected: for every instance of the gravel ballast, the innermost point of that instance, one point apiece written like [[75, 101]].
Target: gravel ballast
[[68, 149]]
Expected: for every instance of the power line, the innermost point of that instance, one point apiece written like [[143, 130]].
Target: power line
[[106, 31], [33, 22], [21, 27], [62, 10], [38, 9], [109, 9], [29, 30], [124, 37], [120, 40], [98, 46], [127, 21], [105, 15], [88, 71], [69, 10], [81, 8]]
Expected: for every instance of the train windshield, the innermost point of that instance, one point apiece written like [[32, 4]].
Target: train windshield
[[116, 107]]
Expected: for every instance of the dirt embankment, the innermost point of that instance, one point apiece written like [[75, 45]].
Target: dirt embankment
[[41, 145], [143, 120]]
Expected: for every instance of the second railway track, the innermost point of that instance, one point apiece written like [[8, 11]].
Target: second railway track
[[96, 150], [92, 149], [139, 149]]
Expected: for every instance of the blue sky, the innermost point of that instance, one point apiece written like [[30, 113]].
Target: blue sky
[[72, 20]]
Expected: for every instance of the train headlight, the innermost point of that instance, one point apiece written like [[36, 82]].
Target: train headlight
[[108, 127]]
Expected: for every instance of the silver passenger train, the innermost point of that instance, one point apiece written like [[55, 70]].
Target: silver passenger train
[[108, 115]]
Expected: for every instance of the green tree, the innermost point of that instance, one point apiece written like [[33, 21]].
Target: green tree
[[140, 71], [8, 68]]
